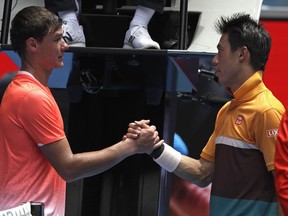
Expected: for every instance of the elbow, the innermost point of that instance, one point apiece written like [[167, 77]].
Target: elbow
[[205, 179], [67, 174], [68, 178], [69, 170]]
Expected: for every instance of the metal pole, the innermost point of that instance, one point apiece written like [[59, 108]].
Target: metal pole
[[6, 21], [183, 24]]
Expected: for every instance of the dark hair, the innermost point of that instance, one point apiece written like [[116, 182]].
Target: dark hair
[[242, 31], [33, 22]]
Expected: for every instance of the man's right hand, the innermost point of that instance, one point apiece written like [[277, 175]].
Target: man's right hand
[[145, 136], [135, 127]]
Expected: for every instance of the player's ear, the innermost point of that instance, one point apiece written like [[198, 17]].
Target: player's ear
[[31, 44], [244, 52]]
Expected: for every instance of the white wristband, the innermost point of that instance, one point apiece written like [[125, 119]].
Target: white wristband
[[169, 159]]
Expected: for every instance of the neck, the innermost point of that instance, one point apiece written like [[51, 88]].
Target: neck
[[39, 73]]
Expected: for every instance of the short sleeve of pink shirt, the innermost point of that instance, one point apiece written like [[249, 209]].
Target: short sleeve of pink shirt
[[42, 117]]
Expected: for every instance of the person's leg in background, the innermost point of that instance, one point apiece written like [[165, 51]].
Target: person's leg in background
[[67, 11], [137, 35]]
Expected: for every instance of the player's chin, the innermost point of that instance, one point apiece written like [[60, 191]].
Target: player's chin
[[59, 64]]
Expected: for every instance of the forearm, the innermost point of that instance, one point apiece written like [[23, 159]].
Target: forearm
[[92, 163], [75, 166], [196, 171]]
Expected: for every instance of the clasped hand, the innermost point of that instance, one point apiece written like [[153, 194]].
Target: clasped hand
[[146, 136]]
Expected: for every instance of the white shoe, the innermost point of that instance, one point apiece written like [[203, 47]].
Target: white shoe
[[137, 37], [73, 34]]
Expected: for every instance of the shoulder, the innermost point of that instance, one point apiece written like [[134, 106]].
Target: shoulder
[[223, 109], [267, 102]]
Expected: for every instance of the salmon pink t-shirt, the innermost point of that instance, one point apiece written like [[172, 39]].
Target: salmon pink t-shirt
[[29, 119]]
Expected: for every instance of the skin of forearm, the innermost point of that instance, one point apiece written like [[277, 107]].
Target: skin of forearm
[[88, 164], [75, 166], [196, 171]]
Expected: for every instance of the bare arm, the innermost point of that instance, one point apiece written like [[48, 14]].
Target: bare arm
[[75, 166], [200, 172]]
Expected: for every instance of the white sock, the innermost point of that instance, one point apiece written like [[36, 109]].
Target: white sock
[[142, 16]]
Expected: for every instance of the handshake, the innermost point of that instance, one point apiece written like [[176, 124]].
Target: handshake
[[144, 138]]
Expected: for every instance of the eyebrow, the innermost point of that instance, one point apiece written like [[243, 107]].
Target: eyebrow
[[56, 35], [58, 32]]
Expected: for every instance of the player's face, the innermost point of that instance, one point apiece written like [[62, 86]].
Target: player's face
[[52, 49], [226, 64]]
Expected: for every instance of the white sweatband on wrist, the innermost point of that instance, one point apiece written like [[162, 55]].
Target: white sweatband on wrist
[[169, 159]]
